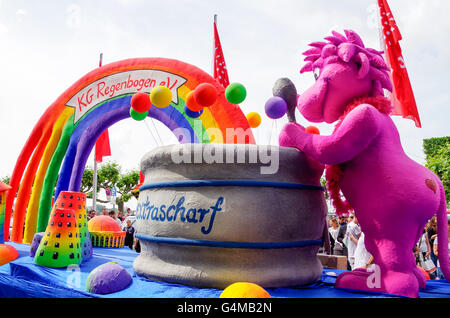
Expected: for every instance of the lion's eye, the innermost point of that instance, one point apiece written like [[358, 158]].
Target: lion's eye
[[316, 73]]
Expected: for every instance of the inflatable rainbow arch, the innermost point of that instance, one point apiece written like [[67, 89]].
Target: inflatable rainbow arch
[[57, 150]]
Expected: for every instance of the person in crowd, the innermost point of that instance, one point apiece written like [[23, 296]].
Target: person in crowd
[[341, 234], [363, 259], [352, 236], [137, 245], [439, 274], [113, 215], [128, 213], [432, 234], [129, 236], [424, 244], [91, 214], [340, 239], [333, 230], [424, 253], [120, 216], [104, 211]]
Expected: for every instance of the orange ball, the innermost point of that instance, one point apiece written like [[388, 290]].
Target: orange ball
[[312, 130], [254, 119], [191, 103], [205, 94], [8, 253]]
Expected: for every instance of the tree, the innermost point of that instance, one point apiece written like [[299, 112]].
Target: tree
[[87, 182], [109, 176], [437, 156], [126, 183], [6, 179]]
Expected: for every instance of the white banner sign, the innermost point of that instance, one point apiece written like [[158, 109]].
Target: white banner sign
[[123, 83]]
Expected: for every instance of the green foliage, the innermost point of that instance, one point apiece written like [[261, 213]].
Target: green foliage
[[323, 182], [6, 179], [432, 145], [109, 176], [87, 181], [126, 183], [437, 151]]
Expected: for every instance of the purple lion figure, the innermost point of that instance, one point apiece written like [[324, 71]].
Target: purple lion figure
[[392, 196]]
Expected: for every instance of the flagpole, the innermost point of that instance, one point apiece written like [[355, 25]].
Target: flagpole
[[213, 47], [94, 187]]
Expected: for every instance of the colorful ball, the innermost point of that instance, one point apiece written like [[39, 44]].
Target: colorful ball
[[191, 103], [275, 107], [235, 93], [8, 253], [424, 272], [254, 119], [35, 243], [191, 113], [205, 94], [103, 223], [161, 96], [312, 130], [140, 102], [138, 116], [244, 290], [108, 278]]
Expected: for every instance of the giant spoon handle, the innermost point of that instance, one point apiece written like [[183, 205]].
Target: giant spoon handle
[[285, 89]]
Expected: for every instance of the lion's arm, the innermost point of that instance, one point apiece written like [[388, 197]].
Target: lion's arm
[[356, 132]]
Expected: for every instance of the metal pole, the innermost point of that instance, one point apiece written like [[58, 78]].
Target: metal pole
[[94, 188], [214, 48]]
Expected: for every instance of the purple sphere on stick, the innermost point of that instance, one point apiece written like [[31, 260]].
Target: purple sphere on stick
[[276, 107]]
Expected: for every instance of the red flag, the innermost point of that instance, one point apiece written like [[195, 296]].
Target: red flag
[[102, 147], [402, 96], [220, 69]]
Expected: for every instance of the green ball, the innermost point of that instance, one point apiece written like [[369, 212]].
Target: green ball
[[235, 93], [138, 116]]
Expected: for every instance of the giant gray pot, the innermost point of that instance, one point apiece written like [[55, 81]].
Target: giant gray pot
[[218, 219]]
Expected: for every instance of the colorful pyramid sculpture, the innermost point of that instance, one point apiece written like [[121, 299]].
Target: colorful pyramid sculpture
[[60, 246], [77, 202]]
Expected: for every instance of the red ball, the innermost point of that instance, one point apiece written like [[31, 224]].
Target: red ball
[[312, 130], [424, 272], [191, 103], [140, 102], [205, 94]]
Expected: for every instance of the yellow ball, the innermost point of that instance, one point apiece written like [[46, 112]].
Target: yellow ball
[[254, 119], [161, 96], [244, 290]]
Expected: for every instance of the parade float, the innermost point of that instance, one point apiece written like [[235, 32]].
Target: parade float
[[218, 209]]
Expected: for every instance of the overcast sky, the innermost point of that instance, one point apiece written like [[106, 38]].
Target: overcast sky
[[48, 45]]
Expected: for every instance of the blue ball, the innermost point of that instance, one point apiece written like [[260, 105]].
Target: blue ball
[[191, 113]]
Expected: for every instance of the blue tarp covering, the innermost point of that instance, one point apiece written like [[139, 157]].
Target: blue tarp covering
[[22, 278]]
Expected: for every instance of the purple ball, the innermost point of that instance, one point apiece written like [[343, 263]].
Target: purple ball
[[35, 243], [108, 278], [276, 107]]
